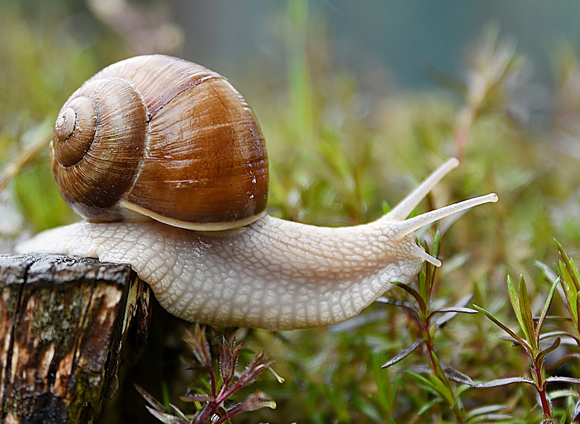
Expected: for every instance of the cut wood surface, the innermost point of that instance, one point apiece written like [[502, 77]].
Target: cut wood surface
[[63, 321]]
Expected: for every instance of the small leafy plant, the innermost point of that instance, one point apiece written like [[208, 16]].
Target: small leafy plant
[[214, 404], [569, 289], [439, 378], [531, 342]]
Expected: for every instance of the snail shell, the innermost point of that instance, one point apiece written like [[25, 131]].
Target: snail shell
[[164, 138]]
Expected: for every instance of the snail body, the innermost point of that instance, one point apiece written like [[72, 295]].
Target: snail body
[[263, 272]]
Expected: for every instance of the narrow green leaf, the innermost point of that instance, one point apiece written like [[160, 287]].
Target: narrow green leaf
[[550, 274], [437, 364], [430, 269], [194, 397], [464, 387], [490, 418], [558, 318], [166, 418], [570, 295], [385, 393], [404, 353], [457, 376], [567, 281], [576, 413], [552, 348], [570, 266], [177, 412], [551, 334], [485, 410], [515, 301], [544, 312], [565, 359], [150, 399], [422, 281], [442, 389], [424, 382], [453, 309], [526, 314], [413, 293], [429, 405], [574, 272], [504, 382], [408, 305], [506, 329], [451, 312], [562, 393], [436, 242], [576, 313], [557, 379], [394, 302]]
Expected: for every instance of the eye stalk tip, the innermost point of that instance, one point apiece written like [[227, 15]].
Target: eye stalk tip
[[489, 198], [418, 251], [453, 163]]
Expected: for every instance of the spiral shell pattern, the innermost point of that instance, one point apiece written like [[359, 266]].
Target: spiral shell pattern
[[96, 136], [161, 137]]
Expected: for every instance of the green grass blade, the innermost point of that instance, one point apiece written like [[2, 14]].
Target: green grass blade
[[570, 266], [526, 314], [506, 329], [429, 405], [424, 383], [570, 296], [576, 313], [552, 348], [413, 293], [431, 269], [435, 385], [515, 301], [443, 389], [544, 312]]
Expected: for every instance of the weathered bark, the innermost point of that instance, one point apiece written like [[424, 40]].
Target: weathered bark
[[63, 322]]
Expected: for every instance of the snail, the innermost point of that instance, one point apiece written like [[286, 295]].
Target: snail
[[167, 164]]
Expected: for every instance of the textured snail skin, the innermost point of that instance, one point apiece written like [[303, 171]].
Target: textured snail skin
[[271, 274]]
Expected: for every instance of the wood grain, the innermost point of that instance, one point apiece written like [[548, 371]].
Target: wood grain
[[63, 322]]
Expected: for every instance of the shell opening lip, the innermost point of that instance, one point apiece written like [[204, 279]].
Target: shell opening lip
[[197, 226]]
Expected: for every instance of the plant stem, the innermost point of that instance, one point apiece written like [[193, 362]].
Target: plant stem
[[436, 370], [431, 352], [22, 159], [541, 388]]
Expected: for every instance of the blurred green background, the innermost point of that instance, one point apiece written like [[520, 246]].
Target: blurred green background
[[327, 66], [358, 100]]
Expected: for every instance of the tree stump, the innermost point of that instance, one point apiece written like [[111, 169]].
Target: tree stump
[[63, 322]]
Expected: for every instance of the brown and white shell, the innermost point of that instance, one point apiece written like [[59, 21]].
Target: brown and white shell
[[164, 138]]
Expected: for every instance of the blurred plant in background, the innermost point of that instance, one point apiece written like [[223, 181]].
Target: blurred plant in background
[[339, 145]]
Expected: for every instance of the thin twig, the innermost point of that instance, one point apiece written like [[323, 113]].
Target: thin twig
[[22, 159]]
